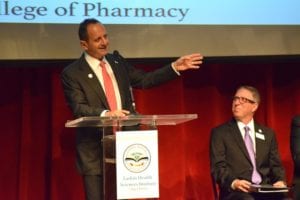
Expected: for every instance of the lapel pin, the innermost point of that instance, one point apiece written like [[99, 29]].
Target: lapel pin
[[116, 62], [90, 75], [259, 130]]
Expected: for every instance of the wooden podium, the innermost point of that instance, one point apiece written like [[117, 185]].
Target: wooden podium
[[135, 133]]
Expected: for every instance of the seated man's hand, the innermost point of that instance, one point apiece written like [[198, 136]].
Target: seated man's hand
[[279, 184], [241, 185]]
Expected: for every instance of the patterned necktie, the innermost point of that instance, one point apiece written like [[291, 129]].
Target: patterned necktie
[[256, 178], [109, 88]]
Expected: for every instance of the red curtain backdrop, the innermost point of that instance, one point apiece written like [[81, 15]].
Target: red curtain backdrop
[[37, 152]]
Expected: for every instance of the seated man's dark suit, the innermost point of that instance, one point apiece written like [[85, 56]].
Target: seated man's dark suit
[[230, 159]]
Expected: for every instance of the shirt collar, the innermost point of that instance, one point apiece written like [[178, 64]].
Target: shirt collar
[[93, 62], [241, 125]]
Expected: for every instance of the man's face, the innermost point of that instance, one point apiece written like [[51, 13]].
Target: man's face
[[244, 105], [97, 42]]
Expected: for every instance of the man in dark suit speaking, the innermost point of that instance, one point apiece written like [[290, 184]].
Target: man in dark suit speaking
[[99, 84], [243, 152]]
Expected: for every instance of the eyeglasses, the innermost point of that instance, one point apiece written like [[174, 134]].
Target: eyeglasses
[[243, 100]]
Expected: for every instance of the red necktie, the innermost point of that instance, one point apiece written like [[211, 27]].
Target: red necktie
[[109, 88]]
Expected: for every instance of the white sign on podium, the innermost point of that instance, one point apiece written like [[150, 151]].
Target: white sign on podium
[[137, 164]]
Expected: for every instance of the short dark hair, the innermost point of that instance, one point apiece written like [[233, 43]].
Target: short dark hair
[[82, 30], [253, 91]]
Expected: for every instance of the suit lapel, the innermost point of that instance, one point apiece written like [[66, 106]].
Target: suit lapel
[[91, 79], [260, 143]]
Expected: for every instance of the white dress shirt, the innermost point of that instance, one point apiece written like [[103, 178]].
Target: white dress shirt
[[95, 65]]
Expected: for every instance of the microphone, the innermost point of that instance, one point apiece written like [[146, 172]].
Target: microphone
[[132, 100], [118, 58], [117, 54]]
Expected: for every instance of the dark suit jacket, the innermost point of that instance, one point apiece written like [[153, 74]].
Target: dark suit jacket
[[295, 149], [230, 160], [86, 97]]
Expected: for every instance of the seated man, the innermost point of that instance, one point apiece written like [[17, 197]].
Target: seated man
[[295, 149], [243, 152]]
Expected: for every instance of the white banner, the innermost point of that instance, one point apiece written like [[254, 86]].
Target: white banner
[[197, 12], [137, 164]]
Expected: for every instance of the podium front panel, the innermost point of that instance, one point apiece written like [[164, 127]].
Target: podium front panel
[[128, 123]]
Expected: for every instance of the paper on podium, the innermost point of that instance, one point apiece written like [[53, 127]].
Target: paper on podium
[[267, 188]]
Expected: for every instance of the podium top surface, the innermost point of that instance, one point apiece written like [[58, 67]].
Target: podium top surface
[[131, 120]]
